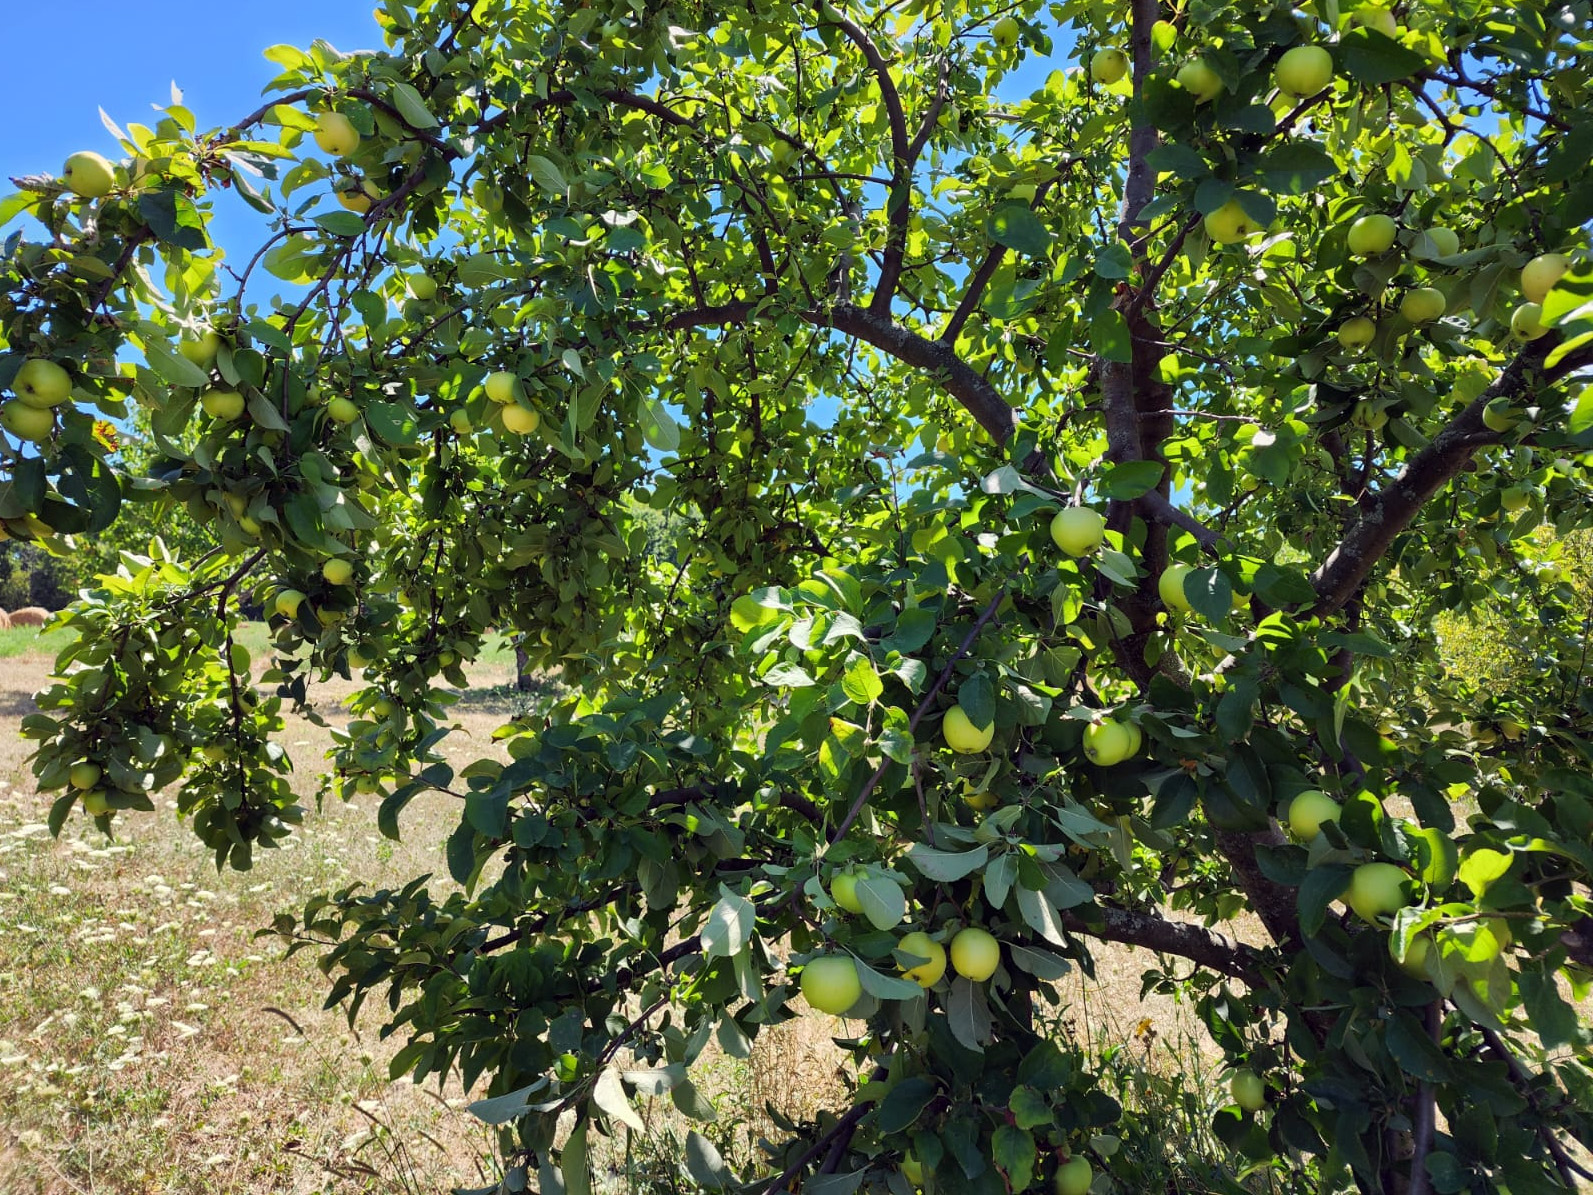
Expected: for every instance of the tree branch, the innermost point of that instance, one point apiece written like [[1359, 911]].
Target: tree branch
[[1184, 939]]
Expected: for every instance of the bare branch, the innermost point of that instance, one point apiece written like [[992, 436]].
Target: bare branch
[[1184, 939]]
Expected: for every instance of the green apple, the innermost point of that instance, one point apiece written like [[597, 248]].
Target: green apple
[[1108, 65], [287, 603], [1423, 304], [26, 422], [1368, 416], [1526, 322], [41, 383], [1248, 1090], [1303, 71], [503, 386], [1006, 31], [1445, 242], [356, 201], [843, 890], [459, 420], [1372, 234], [222, 404], [338, 571], [1377, 889], [201, 349], [975, 954], [1356, 332], [342, 410], [1309, 811], [1230, 223], [96, 803], [962, 736], [522, 421], [336, 134], [1200, 80], [89, 175], [1417, 955], [1498, 417], [913, 1171], [422, 286], [1515, 498], [1074, 1176], [1078, 530], [928, 972], [1107, 742], [830, 984], [1540, 274], [85, 775], [1376, 17], [1170, 587]]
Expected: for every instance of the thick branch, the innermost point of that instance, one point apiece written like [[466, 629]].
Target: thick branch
[[1184, 939]]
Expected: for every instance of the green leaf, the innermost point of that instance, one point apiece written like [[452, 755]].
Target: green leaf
[[1109, 336], [659, 427], [886, 987], [1321, 888], [977, 699], [547, 176], [914, 628], [504, 1108], [392, 423], [412, 107], [341, 224], [1582, 414], [1029, 1108], [1296, 167], [1551, 1017], [861, 683], [1129, 480], [1018, 228], [904, 1103], [704, 1163], [608, 1093], [1210, 592], [968, 1013], [946, 866], [173, 218], [1414, 1051], [1374, 59], [15, 204], [729, 926], [1482, 867], [884, 903], [1012, 1150], [172, 367]]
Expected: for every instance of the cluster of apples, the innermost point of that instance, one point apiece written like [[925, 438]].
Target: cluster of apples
[[335, 134], [830, 983], [503, 387], [40, 386]]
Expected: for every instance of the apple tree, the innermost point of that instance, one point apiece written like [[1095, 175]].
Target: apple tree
[[983, 479]]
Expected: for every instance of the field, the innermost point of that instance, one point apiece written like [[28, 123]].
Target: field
[[150, 1044]]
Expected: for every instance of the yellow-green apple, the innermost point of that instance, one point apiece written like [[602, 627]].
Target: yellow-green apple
[[30, 423], [1526, 322], [830, 984], [1375, 16], [42, 383], [1377, 889], [1078, 530], [201, 349], [1372, 234], [85, 775], [1230, 223], [287, 603], [843, 890], [962, 736], [336, 134], [1303, 71], [1416, 957], [1170, 587], [975, 954], [1108, 65], [342, 410], [503, 386], [1006, 31], [1074, 1176], [1515, 498], [921, 945], [1309, 811], [96, 802], [338, 571], [1498, 417], [1368, 416], [222, 404], [1108, 742], [1540, 274], [422, 286], [1356, 332], [1200, 80], [1423, 304], [89, 175], [522, 421], [460, 422], [1444, 241], [1248, 1090]]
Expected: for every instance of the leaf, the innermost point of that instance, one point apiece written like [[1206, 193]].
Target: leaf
[[547, 175], [1109, 336], [1012, 1150], [914, 628], [1321, 888], [608, 1093], [1413, 1051], [999, 877], [692, 1103], [1374, 59], [173, 218], [885, 987], [501, 1109], [1582, 415], [1210, 592], [884, 903], [659, 427], [1029, 1108], [1042, 964], [729, 926], [393, 423], [704, 1164], [341, 224], [1553, 1020], [1040, 916], [1129, 479], [1017, 227], [1296, 167], [904, 1103], [574, 1162], [173, 367], [1481, 868], [656, 1081], [968, 1013], [412, 107], [788, 676], [978, 699], [834, 1184], [861, 683], [946, 866]]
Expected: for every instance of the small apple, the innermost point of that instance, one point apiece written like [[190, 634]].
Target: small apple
[[1006, 31], [927, 973], [1303, 71], [1356, 332], [342, 410], [1368, 416], [1416, 957], [89, 175], [1376, 17], [1526, 322], [843, 890], [422, 286], [1540, 274], [222, 404], [1377, 889], [1200, 80], [1170, 587], [459, 420], [1515, 498], [288, 602], [1445, 242], [1078, 530], [522, 421], [41, 383], [336, 134], [200, 350], [1309, 811], [962, 736], [503, 386], [337, 571], [1108, 742], [1248, 1090], [26, 422], [1108, 65], [830, 984], [1498, 417], [96, 803], [1230, 223], [1074, 1176], [85, 775], [1371, 235], [1423, 304], [975, 954]]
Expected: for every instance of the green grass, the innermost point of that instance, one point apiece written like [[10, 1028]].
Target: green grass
[[16, 641]]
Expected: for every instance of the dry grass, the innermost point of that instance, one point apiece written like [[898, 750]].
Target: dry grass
[[150, 1044]]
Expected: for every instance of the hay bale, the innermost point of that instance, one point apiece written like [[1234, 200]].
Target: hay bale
[[5, 621], [30, 616]]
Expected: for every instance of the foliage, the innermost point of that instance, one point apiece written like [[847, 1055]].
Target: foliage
[[859, 307]]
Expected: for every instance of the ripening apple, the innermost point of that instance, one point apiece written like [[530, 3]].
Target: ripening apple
[[85, 775], [1423, 304], [1309, 811], [1372, 234], [1515, 498], [1107, 742], [1200, 80], [338, 571], [1006, 31], [503, 386], [1108, 65], [222, 404], [336, 134], [927, 973], [1248, 1090], [1230, 223], [913, 1171], [1170, 587], [975, 954], [30, 423], [89, 175], [1074, 1176], [96, 803], [1377, 889], [1416, 957], [422, 286], [1078, 530], [1444, 240], [1498, 417], [962, 736], [42, 383], [288, 602], [342, 410], [843, 890], [1368, 416], [1540, 274], [830, 984], [522, 421], [1356, 332], [201, 350], [460, 422], [1526, 322], [1375, 16], [1303, 71]]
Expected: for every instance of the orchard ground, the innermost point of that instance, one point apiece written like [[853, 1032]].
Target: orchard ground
[[149, 1043]]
